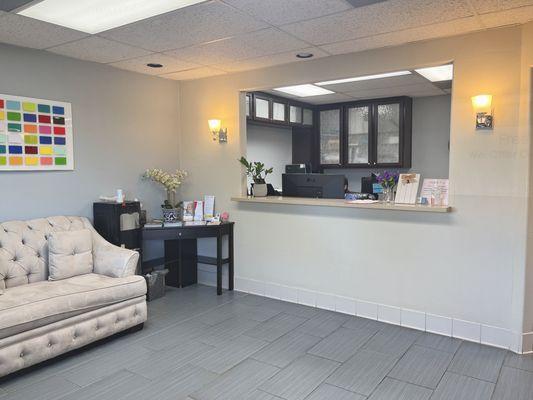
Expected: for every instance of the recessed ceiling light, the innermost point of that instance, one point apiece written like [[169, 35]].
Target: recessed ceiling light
[[154, 65], [437, 74], [364, 78], [304, 55], [307, 90], [93, 16]]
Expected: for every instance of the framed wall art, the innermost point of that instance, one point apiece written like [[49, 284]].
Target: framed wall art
[[35, 134]]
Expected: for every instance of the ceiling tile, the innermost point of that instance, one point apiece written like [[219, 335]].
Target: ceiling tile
[[329, 98], [514, 16], [418, 90], [256, 44], [196, 24], [271, 60], [444, 29], [170, 64], [486, 6], [27, 32], [99, 50], [196, 73], [379, 18], [278, 12]]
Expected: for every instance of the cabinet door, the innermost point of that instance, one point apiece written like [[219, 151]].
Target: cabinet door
[[295, 115], [330, 137], [307, 118], [262, 110], [388, 129], [358, 135], [279, 111], [248, 105]]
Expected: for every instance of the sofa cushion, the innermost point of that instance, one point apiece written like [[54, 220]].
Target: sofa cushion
[[37, 304], [70, 254]]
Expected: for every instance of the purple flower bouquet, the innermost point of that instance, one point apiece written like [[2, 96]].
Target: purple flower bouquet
[[388, 179]]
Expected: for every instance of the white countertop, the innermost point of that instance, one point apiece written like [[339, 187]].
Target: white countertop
[[302, 201]]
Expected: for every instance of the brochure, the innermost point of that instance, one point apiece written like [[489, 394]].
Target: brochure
[[188, 210], [198, 211], [209, 207], [436, 191]]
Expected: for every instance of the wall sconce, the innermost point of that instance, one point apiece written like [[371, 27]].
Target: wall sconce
[[219, 133], [484, 113]]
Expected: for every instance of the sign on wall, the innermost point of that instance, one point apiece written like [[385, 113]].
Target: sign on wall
[[35, 134]]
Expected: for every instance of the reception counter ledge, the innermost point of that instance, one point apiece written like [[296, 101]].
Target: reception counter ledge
[[302, 201]]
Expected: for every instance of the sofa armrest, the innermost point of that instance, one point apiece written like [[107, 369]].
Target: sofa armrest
[[111, 260]]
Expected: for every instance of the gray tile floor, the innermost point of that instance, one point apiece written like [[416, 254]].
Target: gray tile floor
[[199, 346]]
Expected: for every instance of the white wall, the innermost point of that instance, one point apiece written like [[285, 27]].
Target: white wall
[[431, 136], [271, 145], [468, 265]]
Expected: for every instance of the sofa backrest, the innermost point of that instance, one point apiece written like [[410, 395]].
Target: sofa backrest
[[24, 248]]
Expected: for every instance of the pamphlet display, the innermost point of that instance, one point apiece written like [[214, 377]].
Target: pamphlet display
[[436, 191], [407, 188]]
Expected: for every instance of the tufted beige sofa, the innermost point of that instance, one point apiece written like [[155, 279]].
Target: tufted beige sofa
[[40, 319]]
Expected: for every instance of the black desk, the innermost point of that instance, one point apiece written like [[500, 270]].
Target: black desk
[[181, 252]]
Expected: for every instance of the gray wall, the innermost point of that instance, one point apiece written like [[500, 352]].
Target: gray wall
[[431, 134], [272, 146], [123, 123]]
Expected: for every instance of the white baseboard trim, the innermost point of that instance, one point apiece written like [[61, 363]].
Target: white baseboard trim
[[527, 343], [414, 319]]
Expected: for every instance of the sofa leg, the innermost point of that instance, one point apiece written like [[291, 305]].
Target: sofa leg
[[136, 328]]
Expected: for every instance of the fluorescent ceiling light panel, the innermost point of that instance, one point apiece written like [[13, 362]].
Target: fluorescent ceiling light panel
[[93, 16], [437, 74], [364, 78], [307, 90]]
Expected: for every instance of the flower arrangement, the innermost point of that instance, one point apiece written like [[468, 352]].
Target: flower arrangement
[[256, 170], [170, 181], [388, 181]]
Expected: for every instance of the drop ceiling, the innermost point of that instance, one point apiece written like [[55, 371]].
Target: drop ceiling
[[413, 85], [222, 36]]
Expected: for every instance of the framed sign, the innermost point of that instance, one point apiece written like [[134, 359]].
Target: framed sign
[[35, 134]]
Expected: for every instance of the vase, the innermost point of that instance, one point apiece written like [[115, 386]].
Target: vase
[[170, 214], [171, 198], [260, 189], [388, 194]]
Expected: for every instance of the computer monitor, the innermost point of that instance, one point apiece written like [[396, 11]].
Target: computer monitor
[[297, 168], [314, 186]]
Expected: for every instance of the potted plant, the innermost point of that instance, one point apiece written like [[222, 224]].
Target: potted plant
[[171, 182], [388, 181], [256, 170]]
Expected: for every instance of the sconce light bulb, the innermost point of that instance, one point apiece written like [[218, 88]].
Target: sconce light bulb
[[214, 125], [482, 101]]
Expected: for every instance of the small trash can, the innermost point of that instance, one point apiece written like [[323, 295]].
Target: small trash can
[[155, 282]]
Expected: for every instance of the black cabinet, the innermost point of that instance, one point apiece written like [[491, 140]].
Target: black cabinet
[[118, 223], [270, 109], [363, 134]]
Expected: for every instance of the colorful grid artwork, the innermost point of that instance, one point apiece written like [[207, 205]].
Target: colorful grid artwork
[[35, 134]]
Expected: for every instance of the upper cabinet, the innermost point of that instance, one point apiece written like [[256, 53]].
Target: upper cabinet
[[248, 105], [358, 135], [262, 108], [279, 111], [268, 108], [364, 134], [330, 137]]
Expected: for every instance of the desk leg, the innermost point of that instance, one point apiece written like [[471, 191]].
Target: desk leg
[[219, 265], [172, 255], [230, 254]]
